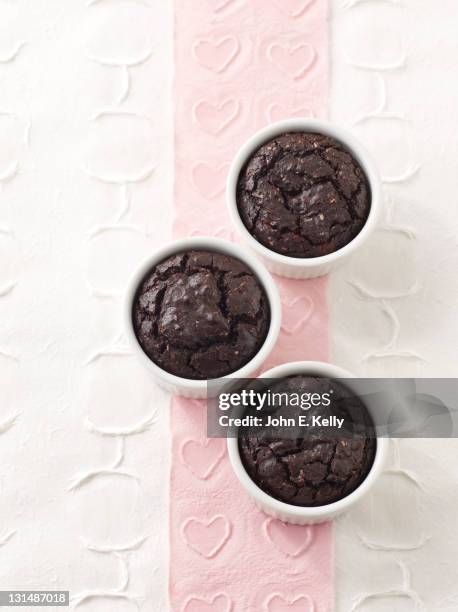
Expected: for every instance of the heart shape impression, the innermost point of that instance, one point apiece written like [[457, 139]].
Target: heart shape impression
[[206, 538], [225, 233], [218, 603], [278, 603], [291, 540], [209, 180], [214, 118], [293, 60], [216, 55], [297, 313], [186, 402], [202, 458], [221, 232], [293, 8], [277, 111], [219, 5]]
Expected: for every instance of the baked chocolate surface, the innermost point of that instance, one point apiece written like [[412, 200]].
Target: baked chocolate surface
[[303, 195], [324, 466], [201, 314]]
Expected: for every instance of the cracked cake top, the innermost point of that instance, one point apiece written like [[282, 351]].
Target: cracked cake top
[[201, 314], [326, 465], [303, 195]]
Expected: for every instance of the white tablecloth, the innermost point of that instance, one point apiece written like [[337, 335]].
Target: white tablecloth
[[393, 310]]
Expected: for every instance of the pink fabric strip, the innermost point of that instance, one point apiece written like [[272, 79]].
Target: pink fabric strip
[[239, 65]]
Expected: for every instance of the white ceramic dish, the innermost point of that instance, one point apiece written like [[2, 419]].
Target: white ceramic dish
[[299, 515], [198, 388], [295, 267]]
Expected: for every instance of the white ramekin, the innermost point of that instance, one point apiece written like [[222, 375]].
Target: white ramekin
[[296, 267], [198, 388], [299, 515]]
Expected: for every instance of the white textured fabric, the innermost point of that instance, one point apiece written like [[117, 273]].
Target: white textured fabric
[[86, 191], [393, 310]]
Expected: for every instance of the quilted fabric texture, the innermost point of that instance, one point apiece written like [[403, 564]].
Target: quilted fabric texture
[[393, 309], [85, 177]]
